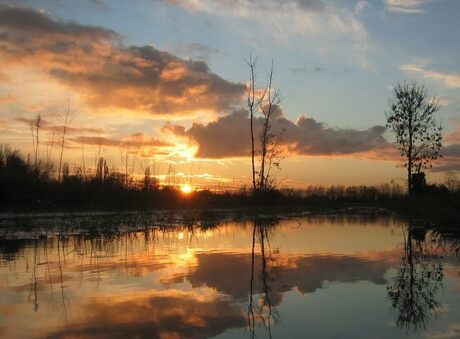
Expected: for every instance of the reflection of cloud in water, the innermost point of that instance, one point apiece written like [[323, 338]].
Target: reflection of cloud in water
[[135, 266], [227, 271], [156, 314], [452, 331]]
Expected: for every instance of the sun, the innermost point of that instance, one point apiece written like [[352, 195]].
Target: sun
[[186, 189]]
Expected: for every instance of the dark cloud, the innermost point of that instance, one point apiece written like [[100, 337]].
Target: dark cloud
[[229, 136], [135, 141], [450, 161], [93, 61], [451, 151], [48, 126], [17, 20], [301, 70], [91, 4]]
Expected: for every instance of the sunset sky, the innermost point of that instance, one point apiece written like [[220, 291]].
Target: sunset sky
[[164, 81]]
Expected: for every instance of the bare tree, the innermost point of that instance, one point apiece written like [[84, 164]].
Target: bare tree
[[253, 103], [35, 125], [67, 118], [268, 140], [417, 134], [263, 103], [49, 148], [451, 182]]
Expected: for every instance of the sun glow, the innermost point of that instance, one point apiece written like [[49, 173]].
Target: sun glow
[[186, 189]]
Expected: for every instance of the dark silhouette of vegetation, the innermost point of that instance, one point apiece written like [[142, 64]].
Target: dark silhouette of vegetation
[[413, 294], [25, 186], [417, 134]]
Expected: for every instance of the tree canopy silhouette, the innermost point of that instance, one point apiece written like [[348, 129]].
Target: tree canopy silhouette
[[418, 135]]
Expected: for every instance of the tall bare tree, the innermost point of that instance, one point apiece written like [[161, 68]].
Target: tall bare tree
[[418, 135], [67, 116], [253, 103], [263, 103], [270, 103], [35, 125], [49, 148]]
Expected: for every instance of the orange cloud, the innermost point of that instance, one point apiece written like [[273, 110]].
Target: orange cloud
[[93, 61], [6, 99]]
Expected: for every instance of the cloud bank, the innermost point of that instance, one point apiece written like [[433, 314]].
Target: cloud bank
[[228, 136], [110, 76]]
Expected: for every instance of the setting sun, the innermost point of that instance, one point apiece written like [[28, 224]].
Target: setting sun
[[186, 189]]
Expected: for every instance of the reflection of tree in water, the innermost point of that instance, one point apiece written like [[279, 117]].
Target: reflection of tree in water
[[419, 278], [263, 312]]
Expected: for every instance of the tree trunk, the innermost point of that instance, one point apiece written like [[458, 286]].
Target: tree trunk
[[409, 176]]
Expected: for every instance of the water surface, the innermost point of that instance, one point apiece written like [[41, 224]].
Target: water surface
[[317, 277]]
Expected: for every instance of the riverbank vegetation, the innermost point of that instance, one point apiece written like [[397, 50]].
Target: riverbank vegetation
[[30, 187]]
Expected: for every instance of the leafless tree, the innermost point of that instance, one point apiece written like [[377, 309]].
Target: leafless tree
[[49, 148], [83, 159], [253, 102], [269, 141], [67, 117], [263, 103], [35, 125], [417, 134], [451, 182]]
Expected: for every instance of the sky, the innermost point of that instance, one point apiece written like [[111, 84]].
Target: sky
[[162, 82]]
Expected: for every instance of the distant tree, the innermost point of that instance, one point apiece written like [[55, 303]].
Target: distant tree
[[419, 138], [451, 182]]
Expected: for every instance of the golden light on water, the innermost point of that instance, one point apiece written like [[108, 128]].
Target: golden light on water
[[186, 189]]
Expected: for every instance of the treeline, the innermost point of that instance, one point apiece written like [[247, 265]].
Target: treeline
[[31, 186]]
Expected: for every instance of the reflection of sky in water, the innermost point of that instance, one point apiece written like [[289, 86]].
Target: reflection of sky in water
[[325, 277]]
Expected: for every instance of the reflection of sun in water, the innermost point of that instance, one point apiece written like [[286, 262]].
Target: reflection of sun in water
[[186, 189]]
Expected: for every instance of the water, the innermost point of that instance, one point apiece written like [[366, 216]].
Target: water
[[316, 277]]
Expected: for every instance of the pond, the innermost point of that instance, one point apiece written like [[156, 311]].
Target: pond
[[330, 276]]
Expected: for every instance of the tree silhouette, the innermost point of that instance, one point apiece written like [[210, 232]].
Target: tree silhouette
[[417, 133], [413, 293], [66, 119], [263, 103], [35, 126]]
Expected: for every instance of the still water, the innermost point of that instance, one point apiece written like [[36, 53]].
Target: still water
[[309, 277]]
